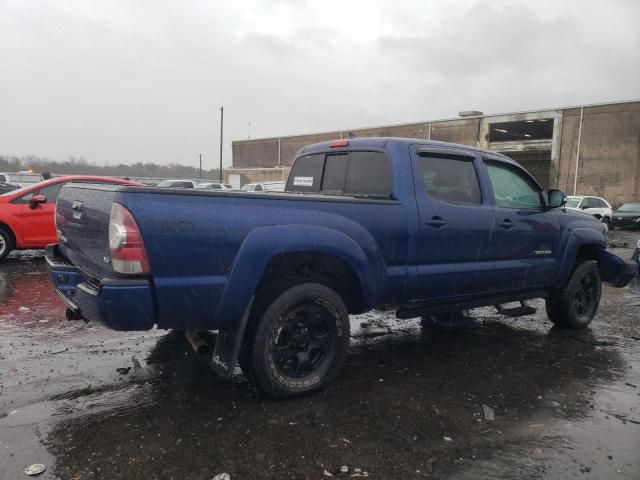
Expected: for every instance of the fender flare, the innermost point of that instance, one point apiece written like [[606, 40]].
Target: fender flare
[[577, 239], [263, 243]]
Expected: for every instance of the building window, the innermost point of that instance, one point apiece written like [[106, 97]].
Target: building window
[[540, 129]]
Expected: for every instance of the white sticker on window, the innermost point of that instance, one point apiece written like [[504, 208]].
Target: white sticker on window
[[303, 181]]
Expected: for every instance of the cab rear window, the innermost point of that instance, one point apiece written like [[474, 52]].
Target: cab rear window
[[361, 173]]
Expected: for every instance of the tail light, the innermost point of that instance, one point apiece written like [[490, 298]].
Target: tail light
[[128, 255]]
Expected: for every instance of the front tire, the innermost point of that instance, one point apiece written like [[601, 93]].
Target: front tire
[[296, 340], [576, 305], [6, 243]]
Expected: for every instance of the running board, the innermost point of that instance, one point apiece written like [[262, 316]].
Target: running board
[[420, 310]]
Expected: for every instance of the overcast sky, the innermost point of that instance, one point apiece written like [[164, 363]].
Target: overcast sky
[[127, 81]]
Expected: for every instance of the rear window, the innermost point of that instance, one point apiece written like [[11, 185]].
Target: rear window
[[350, 173], [306, 174]]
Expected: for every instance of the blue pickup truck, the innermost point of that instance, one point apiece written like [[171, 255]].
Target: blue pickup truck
[[428, 228]]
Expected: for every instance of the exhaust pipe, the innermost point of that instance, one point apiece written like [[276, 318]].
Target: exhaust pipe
[[201, 347]]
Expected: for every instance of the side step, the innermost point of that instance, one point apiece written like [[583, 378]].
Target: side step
[[514, 312]]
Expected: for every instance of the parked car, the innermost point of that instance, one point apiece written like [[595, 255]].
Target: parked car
[[26, 214], [264, 187], [177, 184], [627, 216], [596, 206], [429, 228], [21, 179], [214, 186], [7, 187]]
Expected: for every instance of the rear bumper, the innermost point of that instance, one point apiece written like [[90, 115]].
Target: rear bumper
[[120, 304]]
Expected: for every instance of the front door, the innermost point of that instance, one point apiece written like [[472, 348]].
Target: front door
[[38, 224], [456, 225], [528, 235]]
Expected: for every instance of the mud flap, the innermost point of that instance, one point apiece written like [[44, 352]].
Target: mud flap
[[228, 344], [614, 270]]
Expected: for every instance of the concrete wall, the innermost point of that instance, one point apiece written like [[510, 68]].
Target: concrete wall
[[609, 164], [255, 175], [609, 151]]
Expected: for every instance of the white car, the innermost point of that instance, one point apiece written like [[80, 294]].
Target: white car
[[264, 187], [596, 206], [214, 186], [177, 184], [21, 179]]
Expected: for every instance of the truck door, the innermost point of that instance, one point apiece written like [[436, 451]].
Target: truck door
[[528, 235], [456, 225]]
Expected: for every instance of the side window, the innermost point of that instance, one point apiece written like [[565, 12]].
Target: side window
[[368, 174], [451, 179], [3, 178], [335, 173], [513, 188], [51, 192], [306, 174], [257, 188]]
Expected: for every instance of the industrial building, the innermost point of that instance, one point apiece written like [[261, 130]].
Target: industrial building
[[587, 149]]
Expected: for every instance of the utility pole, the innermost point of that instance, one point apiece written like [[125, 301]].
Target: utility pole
[[200, 166], [221, 130]]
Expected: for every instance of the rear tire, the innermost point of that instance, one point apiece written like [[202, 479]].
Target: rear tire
[[576, 305], [296, 340], [6, 243]]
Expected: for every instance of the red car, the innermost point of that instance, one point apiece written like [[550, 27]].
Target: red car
[[26, 214]]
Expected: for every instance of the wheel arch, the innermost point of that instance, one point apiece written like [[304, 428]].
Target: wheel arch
[[285, 249]]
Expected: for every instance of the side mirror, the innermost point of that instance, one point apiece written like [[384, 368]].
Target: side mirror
[[37, 199], [556, 199]]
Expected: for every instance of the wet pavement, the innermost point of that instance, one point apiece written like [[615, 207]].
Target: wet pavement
[[409, 402]]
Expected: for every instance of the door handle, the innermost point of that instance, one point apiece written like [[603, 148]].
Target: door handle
[[436, 221], [506, 224]]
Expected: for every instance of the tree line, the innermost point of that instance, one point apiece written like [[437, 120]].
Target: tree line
[[81, 166]]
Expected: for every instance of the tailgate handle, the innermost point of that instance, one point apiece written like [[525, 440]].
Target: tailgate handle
[[77, 206]]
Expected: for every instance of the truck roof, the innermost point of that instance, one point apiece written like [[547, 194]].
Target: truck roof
[[383, 142]]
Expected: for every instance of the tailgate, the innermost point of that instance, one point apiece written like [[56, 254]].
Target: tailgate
[[82, 223]]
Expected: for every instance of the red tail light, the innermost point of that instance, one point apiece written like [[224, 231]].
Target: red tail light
[[128, 255]]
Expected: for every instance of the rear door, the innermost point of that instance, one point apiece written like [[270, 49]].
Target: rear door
[[456, 225], [528, 236]]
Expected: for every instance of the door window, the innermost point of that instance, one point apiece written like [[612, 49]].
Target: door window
[[452, 179], [51, 192], [513, 188]]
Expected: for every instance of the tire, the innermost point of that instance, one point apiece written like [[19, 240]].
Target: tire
[[576, 305], [606, 221], [6, 243], [296, 339]]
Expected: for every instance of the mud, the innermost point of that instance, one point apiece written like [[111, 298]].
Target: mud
[[410, 402]]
